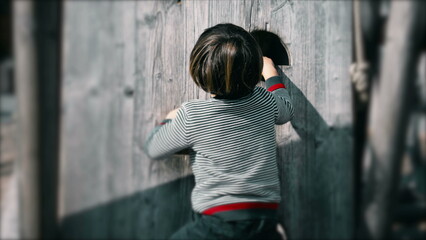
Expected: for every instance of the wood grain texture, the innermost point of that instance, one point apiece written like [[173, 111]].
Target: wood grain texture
[[109, 188], [97, 133], [25, 56]]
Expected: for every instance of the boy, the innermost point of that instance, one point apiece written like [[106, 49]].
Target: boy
[[232, 136]]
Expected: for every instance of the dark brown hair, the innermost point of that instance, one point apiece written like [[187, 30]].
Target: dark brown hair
[[226, 61]]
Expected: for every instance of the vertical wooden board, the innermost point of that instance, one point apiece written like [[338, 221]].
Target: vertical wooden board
[[97, 116], [195, 12], [246, 14], [160, 79], [161, 87], [315, 155]]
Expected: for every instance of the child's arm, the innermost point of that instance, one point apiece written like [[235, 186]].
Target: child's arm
[[169, 137], [275, 84]]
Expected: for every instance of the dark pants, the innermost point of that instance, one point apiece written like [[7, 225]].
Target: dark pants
[[211, 227]]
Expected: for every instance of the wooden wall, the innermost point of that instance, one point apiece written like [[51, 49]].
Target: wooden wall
[[125, 66]]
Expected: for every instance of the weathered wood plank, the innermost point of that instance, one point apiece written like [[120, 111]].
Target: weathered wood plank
[[97, 130], [161, 86], [150, 199], [25, 75], [318, 150]]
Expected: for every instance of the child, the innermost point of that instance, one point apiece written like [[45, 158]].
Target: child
[[232, 136]]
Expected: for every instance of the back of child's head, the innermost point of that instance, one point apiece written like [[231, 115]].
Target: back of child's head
[[226, 61]]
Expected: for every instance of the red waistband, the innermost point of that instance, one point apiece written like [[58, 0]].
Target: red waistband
[[239, 206]]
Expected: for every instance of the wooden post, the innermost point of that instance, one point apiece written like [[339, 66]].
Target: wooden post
[[48, 17], [25, 57], [389, 114], [36, 53]]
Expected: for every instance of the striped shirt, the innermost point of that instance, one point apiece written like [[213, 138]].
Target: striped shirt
[[233, 143]]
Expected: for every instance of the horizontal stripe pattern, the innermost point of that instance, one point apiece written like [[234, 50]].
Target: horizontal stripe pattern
[[234, 147]]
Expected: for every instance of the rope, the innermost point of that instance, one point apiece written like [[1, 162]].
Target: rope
[[359, 70]]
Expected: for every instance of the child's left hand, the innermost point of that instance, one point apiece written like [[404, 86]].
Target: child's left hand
[[172, 114]]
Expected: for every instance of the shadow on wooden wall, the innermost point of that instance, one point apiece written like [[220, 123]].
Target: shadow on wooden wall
[[135, 216], [327, 197]]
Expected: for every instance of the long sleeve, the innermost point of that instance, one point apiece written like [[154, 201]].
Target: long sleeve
[[282, 98], [168, 138]]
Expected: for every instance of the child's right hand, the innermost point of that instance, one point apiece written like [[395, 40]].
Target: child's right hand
[[269, 69]]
